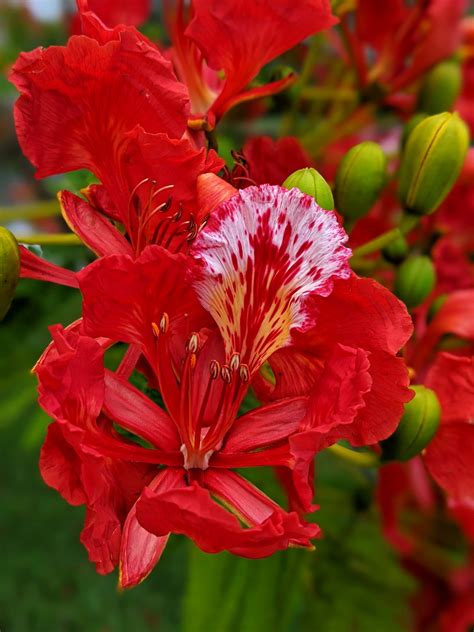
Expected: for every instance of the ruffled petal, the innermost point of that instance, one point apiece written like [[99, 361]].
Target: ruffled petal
[[134, 296], [65, 92], [60, 466], [192, 512]]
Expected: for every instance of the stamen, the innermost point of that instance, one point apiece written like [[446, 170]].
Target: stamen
[[244, 373], [234, 362], [204, 222], [193, 343], [164, 323], [214, 369], [156, 329], [226, 374]]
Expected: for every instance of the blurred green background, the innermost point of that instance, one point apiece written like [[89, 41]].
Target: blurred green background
[[352, 582]]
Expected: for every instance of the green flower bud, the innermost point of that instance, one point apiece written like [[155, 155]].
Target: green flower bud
[[431, 162], [417, 427], [440, 88], [360, 178], [9, 269], [415, 280], [396, 250], [410, 126], [312, 183]]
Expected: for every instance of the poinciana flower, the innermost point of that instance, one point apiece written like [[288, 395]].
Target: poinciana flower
[[218, 48], [110, 102], [261, 273], [408, 38]]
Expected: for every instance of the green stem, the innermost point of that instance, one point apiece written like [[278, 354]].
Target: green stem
[[378, 243], [363, 459], [51, 239], [407, 223], [36, 210]]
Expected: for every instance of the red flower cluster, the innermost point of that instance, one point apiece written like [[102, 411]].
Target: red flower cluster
[[222, 291], [214, 291]]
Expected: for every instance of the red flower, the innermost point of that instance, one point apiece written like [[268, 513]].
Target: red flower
[[408, 40], [267, 161], [236, 40], [260, 321], [449, 457], [202, 378], [110, 102]]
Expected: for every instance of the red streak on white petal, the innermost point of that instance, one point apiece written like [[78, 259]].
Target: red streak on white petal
[[263, 252]]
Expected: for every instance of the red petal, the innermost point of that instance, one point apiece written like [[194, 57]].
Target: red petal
[[60, 466], [135, 294], [456, 316], [266, 90], [452, 378], [377, 21], [263, 252], [361, 313], [449, 458], [440, 31], [34, 267], [192, 512], [66, 91], [140, 550], [132, 410], [251, 505], [212, 191], [71, 385], [93, 228], [384, 403], [272, 161], [266, 425]]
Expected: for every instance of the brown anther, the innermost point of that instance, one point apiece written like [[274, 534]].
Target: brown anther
[[193, 343], [156, 329], [192, 235], [214, 369], [234, 362], [244, 373], [204, 222], [165, 206], [226, 375], [164, 323]]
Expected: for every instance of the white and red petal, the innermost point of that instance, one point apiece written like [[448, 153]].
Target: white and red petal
[[262, 254]]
